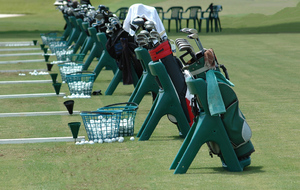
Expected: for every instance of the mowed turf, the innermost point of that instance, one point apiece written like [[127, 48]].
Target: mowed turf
[[262, 61]]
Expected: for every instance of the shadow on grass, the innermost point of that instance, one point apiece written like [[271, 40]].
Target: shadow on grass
[[217, 170]]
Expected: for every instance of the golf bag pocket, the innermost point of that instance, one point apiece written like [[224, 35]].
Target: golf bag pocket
[[236, 126], [161, 51]]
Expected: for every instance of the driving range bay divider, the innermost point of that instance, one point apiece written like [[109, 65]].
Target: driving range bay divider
[[20, 54], [22, 61], [26, 114], [41, 140], [31, 95], [17, 44], [26, 82], [21, 70], [20, 49]]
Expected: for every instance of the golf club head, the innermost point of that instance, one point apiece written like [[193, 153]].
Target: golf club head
[[188, 48], [192, 31], [149, 27], [142, 36], [156, 35], [184, 30], [143, 43], [145, 32], [193, 36], [150, 22], [138, 21]]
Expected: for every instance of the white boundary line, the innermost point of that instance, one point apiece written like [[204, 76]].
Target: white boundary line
[[30, 95], [26, 82], [20, 54], [40, 140], [23, 61], [20, 49], [24, 70], [26, 114]]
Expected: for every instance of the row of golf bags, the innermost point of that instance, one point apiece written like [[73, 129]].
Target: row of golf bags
[[143, 27]]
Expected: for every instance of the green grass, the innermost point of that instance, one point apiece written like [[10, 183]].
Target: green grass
[[261, 55]]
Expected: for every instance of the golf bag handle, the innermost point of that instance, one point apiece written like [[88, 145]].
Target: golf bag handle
[[225, 71]]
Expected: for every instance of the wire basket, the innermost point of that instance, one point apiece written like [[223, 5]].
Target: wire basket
[[101, 124], [68, 68], [129, 110], [54, 44], [80, 83], [50, 37], [63, 54]]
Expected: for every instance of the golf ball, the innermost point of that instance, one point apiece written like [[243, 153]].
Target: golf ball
[[121, 139], [91, 142], [132, 138]]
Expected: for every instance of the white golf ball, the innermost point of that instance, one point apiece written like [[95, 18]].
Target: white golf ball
[[121, 139], [132, 138], [91, 142], [100, 141]]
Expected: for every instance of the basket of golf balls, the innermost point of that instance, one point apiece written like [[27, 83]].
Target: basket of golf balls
[[102, 124], [50, 37], [67, 54], [80, 83], [54, 44], [129, 110], [67, 68]]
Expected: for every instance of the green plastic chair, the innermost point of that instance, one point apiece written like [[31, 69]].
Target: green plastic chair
[[75, 31], [147, 81], [192, 15], [166, 102], [208, 128], [159, 10], [211, 14], [175, 14], [96, 50], [105, 59], [121, 13]]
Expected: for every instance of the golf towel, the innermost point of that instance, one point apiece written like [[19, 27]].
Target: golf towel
[[147, 12], [214, 98]]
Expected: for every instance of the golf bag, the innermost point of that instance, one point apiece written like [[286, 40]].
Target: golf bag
[[206, 66], [121, 47], [173, 66]]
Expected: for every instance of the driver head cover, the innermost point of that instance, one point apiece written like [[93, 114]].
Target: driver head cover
[[209, 58]]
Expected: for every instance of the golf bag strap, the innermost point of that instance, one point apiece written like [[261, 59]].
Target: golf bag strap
[[161, 51]]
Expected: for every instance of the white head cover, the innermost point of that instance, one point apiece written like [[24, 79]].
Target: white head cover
[[143, 11]]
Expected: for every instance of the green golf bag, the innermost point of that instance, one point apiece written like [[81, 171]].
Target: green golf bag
[[222, 102]]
